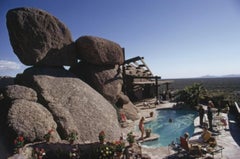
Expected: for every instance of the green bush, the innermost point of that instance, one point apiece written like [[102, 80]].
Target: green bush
[[191, 95]]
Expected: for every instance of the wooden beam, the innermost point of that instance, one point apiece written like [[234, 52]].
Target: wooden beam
[[141, 65], [132, 60], [152, 77], [146, 65]]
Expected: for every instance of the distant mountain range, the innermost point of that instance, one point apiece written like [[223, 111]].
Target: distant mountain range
[[212, 76]]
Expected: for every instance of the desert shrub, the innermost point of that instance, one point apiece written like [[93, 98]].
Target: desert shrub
[[191, 95]]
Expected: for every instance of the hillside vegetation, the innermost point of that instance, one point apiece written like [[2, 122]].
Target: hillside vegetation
[[217, 89]]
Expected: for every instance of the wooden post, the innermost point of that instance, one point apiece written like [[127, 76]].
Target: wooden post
[[167, 91], [156, 87], [124, 73], [167, 88]]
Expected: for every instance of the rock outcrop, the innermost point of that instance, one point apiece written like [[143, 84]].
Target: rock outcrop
[[99, 51], [100, 65], [5, 81], [31, 119], [48, 96], [76, 107], [130, 111], [107, 80], [39, 38], [122, 99], [14, 92]]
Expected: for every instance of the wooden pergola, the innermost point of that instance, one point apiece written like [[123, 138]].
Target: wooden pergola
[[141, 75]]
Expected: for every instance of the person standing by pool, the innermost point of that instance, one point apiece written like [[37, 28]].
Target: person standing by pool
[[141, 127], [210, 117], [201, 113]]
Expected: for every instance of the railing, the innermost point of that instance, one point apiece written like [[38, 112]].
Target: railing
[[237, 107], [238, 111]]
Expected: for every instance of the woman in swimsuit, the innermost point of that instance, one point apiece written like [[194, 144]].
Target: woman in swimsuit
[[141, 127]]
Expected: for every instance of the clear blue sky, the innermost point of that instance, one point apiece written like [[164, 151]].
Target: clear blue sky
[[177, 38]]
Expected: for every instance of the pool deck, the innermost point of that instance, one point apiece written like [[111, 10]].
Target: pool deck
[[229, 138]]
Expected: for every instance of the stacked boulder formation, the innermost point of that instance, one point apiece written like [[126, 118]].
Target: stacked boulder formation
[[47, 96]]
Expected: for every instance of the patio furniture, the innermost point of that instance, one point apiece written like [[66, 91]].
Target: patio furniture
[[220, 122], [213, 150], [175, 146], [133, 151], [193, 150]]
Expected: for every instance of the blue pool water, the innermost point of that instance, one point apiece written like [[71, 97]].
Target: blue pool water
[[182, 121]]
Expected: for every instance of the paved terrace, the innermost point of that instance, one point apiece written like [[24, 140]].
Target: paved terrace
[[229, 138]]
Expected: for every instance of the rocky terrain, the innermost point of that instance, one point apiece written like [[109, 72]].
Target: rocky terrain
[[86, 98]]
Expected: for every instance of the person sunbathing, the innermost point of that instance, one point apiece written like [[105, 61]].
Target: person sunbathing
[[190, 148], [212, 142], [203, 138]]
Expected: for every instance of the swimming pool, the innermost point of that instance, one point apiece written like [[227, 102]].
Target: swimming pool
[[182, 121]]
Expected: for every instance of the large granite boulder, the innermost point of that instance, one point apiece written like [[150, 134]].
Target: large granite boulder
[[99, 51], [127, 107], [13, 92], [130, 111], [31, 119], [5, 81], [39, 38], [123, 99], [107, 80], [74, 104]]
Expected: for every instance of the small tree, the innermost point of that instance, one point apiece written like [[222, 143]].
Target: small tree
[[191, 94]]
